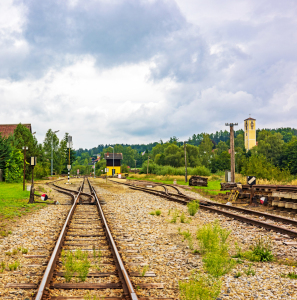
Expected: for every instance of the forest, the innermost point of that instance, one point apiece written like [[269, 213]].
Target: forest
[[274, 157]]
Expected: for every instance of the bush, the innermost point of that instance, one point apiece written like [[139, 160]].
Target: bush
[[193, 207], [202, 287]]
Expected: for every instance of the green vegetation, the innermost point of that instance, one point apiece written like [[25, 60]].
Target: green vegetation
[[193, 207], [213, 244], [200, 286], [156, 212], [2, 266], [14, 202], [97, 258], [75, 262], [187, 236], [13, 266], [144, 270], [250, 271], [175, 216], [260, 251], [291, 275]]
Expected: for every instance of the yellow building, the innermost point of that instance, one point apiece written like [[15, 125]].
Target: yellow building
[[249, 133], [113, 163]]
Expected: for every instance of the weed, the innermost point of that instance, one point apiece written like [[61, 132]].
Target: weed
[[239, 253], [193, 207], [213, 238], [262, 250], [9, 232], [68, 262], [218, 263], [24, 250], [203, 287], [144, 270], [158, 212], [291, 275], [14, 266], [3, 233], [182, 218], [82, 267], [97, 258], [2, 265], [89, 297], [174, 217], [8, 253], [152, 213], [250, 271], [169, 211], [14, 251]]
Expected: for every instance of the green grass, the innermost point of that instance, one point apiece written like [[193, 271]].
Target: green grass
[[14, 201], [212, 188]]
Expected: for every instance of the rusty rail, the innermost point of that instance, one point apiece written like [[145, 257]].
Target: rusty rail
[[123, 274], [55, 254]]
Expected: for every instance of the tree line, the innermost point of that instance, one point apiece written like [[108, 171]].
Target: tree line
[[12, 154], [275, 156]]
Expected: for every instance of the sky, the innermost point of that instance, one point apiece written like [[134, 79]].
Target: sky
[[137, 71]]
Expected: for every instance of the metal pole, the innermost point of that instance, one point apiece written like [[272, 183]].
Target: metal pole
[[52, 158], [24, 167], [186, 177], [113, 163]]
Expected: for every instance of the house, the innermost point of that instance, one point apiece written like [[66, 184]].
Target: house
[[7, 129]]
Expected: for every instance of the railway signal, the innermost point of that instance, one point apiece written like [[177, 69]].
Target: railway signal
[[69, 144]]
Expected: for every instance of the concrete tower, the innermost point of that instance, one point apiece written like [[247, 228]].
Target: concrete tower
[[249, 133]]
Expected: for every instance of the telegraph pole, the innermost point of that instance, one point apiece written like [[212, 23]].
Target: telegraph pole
[[186, 173], [232, 153]]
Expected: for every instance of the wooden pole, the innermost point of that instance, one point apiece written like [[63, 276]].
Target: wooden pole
[[186, 173], [232, 153]]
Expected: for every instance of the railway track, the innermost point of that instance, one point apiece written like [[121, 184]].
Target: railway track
[[237, 213], [86, 232]]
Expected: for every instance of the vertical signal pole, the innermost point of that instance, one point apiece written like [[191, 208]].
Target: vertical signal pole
[[232, 150], [69, 146], [186, 173]]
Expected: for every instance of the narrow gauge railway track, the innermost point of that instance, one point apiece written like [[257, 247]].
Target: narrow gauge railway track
[[229, 211], [86, 221], [82, 224]]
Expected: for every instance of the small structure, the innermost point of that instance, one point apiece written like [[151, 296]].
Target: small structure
[[249, 133], [113, 161], [7, 129]]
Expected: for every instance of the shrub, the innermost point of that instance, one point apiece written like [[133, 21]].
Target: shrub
[[158, 212], [193, 207], [262, 250], [202, 287]]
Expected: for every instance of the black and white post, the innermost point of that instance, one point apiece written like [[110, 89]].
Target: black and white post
[[69, 165]]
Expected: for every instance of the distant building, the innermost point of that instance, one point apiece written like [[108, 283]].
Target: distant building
[[113, 161], [7, 129], [249, 133]]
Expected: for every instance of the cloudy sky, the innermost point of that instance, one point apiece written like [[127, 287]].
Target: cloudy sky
[[136, 71]]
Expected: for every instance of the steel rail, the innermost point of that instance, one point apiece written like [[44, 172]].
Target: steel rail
[[209, 207], [125, 275], [56, 252]]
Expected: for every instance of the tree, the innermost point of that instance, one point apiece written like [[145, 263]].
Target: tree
[[222, 147], [205, 150], [220, 162], [5, 149], [174, 156], [270, 145], [288, 158], [51, 141]]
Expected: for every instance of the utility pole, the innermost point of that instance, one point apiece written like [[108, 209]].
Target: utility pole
[[148, 158], [24, 148], [232, 149], [186, 173], [112, 161], [94, 168]]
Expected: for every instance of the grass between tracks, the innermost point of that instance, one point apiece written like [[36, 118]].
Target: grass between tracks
[[14, 204]]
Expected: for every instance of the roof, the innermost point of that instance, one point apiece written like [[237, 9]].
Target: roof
[[250, 119], [8, 129], [110, 156]]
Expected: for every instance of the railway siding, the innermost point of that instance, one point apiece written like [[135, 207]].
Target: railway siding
[[171, 260]]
